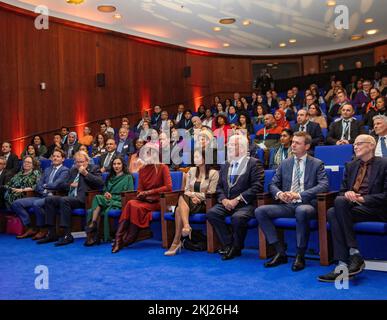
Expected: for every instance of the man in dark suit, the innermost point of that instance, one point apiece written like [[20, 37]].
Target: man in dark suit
[[12, 159], [107, 158], [83, 177], [305, 125], [156, 117], [54, 178], [163, 124], [4, 178], [297, 100], [55, 145], [241, 179], [124, 143], [186, 122], [380, 135], [296, 183], [346, 129], [179, 115], [363, 197]]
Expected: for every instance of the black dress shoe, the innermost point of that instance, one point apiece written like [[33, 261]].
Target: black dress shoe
[[331, 277], [232, 253], [299, 263], [356, 264], [222, 251], [67, 239], [47, 239], [276, 261]]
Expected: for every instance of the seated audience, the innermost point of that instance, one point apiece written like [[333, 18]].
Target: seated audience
[[64, 131], [99, 147], [259, 115], [244, 122], [201, 112], [179, 115], [313, 129], [186, 123], [156, 117], [53, 179], [268, 137], [57, 144], [87, 138], [72, 145], [39, 145], [280, 119], [284, 151], [380, 135], [124, 143], [271, 102], [374, 95], [31, 151], [362, 198], [219, 111], [221, 129], [117, 182], [162, 125], [240, 180], [380, 109], [339, 101], [208, 119], [5, 176], [25, 180], [11, 158], [362, 98], [315, 115], [200, 180], [153, 179], [345, 129], [135, 163], [232, 117], [107, 158], [138, 127], [109, 129], [296, 184], [84, 177]]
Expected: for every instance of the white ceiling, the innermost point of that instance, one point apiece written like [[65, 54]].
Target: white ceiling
[[190, 23]]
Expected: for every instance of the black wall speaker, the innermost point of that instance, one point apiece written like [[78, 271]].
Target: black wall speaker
[[100, 79], [187, 72]]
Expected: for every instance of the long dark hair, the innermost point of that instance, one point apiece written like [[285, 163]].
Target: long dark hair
[[206, 166], [42, 142], [112, 172]]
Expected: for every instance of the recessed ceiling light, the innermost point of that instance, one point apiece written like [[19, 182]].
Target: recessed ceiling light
[[372, 32], [246, 22], [369, 20], [269, 65], [117, 16], [75, 1], [282, 45], [331, 3], [216, 29], [227, 21], [226, 44], [106, 8], [356, 37], [292, 41]]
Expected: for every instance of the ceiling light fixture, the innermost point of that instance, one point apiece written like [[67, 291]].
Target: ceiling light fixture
[[369, 20], [282, 45], [292, 41], [226, 44], [216, 29], [117, 16], [372, 32], [246, 22], [227, 21], [331, 3], [75, 1], [356, 37], [106, 8]]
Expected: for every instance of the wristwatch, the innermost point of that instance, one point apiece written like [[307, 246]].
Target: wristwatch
[[239, 198]]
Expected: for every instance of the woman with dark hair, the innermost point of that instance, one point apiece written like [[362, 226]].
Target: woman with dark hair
[[290, 110], [380, 110], [200, 180], [284, 151], [201, 112], [232, 117], [227, 104], [135, 163], [207, 121], [315, 115], [186, 122], [31, 151], [25, 180], [215, 104], [219, 110], [117, 182], [39, 144], [244, 122], [221, 127], [99, 147], [259, 114], [254, 100], [153, 179]]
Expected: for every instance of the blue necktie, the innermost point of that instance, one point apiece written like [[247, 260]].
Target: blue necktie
[[383, 145], [233, 172], [52, 174]]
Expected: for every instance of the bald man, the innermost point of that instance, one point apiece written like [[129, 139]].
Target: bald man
[[363, 197]]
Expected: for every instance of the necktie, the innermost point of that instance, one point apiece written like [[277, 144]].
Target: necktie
[[302, 128], [74, 191], [346, 130], [52, 175], [383, 145], [296, 183], [360, 176], [234, 172], [107, 160]]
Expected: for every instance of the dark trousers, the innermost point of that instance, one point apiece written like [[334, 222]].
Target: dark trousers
[[341, 219], [303, 214], [239, 219], [21, 206], [63, 206]]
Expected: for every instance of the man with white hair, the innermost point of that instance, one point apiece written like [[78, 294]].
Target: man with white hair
[[380, 135], [240, 180], [363, 197]]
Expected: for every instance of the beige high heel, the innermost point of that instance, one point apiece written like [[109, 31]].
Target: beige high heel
[[186, 232], [175, 248]]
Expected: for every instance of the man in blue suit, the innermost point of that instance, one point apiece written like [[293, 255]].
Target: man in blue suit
[[124, 143], [241, 179], [296, 183], [54, 178]]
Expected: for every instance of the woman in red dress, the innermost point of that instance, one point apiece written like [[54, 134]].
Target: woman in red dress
[[154, 178]]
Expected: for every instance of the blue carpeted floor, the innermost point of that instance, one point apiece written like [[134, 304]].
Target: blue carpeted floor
[[143, 272]]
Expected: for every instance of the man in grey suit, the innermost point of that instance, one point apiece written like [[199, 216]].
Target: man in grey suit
[[296, 183], [240, 180]]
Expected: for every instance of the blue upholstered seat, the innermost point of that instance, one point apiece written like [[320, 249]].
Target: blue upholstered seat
[[334, 155], [193, 218], [252, 223], [290, 223]]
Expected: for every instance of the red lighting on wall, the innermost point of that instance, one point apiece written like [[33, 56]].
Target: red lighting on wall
[[197, 96], [145, 99], [80, 115]]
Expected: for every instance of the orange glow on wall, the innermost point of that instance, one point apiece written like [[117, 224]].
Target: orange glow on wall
[[18, 132], [145, 98], [197, 96], [152, 31], [80, 115]]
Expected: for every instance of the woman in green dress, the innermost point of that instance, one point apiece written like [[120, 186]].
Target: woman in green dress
[[118, 181], [25, 180]]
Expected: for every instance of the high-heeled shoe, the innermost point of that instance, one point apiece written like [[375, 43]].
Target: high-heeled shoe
[[186, 232], [175, 248], [92, 228]]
